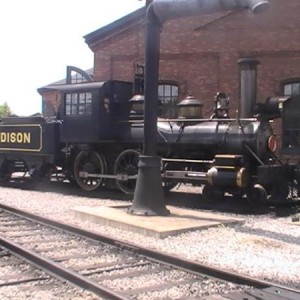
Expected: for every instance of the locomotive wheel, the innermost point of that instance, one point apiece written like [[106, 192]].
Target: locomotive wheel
[[5, 171], [93, 163], [127, 164], [36, 175], [40, 177], [212, 194], [257, 195]]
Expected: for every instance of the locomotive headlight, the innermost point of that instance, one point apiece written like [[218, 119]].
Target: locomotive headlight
[[272, 143]]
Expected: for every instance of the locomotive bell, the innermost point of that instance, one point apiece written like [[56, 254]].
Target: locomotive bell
[[190, 108], [137, 106]]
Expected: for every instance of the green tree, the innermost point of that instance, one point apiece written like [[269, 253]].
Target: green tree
[[5, 110]]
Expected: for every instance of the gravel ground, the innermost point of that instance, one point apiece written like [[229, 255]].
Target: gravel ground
[[264, 246]]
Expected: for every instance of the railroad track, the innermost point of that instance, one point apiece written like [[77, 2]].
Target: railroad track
[[20, 280], [117, 270]]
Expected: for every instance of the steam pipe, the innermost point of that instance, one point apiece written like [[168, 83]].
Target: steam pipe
[[171, 9], [152, 45]]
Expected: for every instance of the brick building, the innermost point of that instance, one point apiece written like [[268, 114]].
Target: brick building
[[199, 54]]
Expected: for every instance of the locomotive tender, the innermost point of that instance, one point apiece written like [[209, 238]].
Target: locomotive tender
[[97, 137]]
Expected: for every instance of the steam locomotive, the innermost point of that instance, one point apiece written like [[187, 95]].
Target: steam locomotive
[[97, 136]]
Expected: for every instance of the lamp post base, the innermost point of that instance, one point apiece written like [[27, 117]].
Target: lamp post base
[[148, 196]]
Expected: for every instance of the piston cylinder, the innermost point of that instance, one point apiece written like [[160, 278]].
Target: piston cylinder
[[228, 177]]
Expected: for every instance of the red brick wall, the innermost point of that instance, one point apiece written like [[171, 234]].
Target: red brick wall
[[201, 52]]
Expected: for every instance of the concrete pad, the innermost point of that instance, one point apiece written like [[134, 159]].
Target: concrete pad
[[180, 220]]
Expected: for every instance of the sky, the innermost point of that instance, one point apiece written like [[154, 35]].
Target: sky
[[39, 38]]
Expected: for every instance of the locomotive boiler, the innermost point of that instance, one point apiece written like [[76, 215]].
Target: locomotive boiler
[[236, 156]]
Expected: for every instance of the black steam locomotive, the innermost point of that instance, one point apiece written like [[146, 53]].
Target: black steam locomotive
[[97, 136]]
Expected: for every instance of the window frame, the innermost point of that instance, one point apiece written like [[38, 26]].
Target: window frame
[[75, 101], [290, 130], [290, 81], [168, 107]]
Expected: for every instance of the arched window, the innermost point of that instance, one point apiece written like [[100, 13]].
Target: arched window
[[168, 95], [76, 75]]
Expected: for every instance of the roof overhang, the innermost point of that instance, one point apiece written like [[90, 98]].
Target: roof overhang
[[116, 27], [71, 87]]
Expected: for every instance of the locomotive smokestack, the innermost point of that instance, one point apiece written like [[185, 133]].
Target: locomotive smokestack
[[248, 76]]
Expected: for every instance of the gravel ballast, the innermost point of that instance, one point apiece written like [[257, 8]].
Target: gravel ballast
[[266, 247]]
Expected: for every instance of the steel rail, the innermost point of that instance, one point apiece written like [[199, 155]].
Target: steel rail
[[160, 257], [59, 271]]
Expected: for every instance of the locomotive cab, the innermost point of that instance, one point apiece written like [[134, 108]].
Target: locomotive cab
[[90, 112]]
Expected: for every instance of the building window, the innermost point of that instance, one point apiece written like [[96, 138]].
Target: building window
[[168, 95], [291, 89], [78, 104], [291, 140], [77, 78], [290, 118]]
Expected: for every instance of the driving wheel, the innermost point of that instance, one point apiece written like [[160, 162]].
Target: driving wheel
[[88, 166], [126, 165], [5, 171], [257, 195]]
